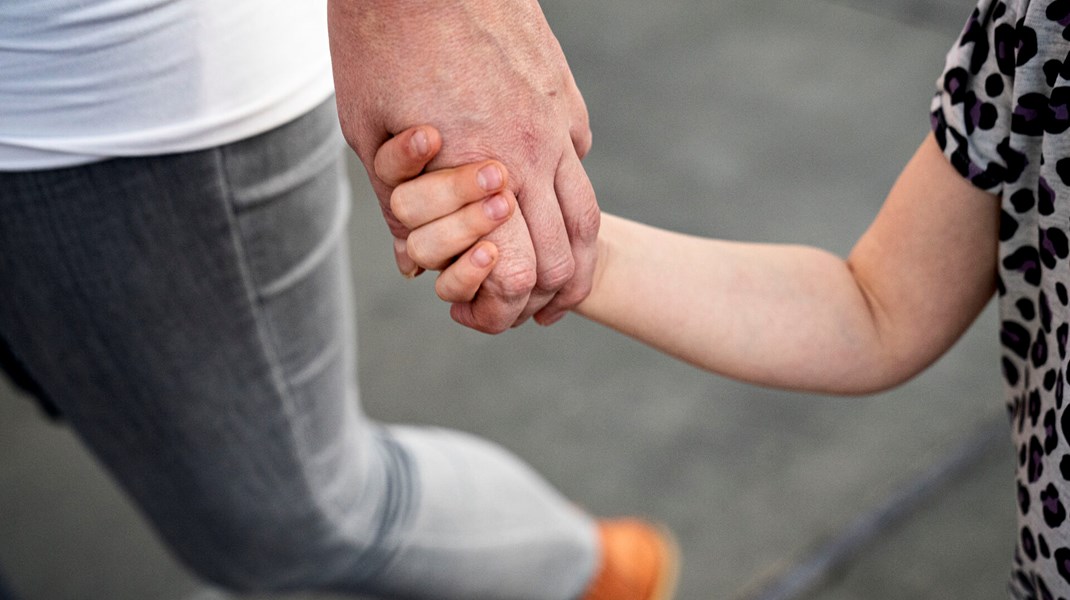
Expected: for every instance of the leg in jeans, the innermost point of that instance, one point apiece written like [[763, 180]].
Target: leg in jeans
[[190, 317]]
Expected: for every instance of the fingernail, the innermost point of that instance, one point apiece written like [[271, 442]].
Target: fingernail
[[419, 142], [481, 258], [409, 269], [489, 178], [496, 207]]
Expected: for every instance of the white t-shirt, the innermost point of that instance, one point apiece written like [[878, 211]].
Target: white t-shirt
[[85, 80]]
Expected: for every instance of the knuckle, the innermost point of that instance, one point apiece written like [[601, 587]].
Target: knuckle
[[586, 222], [473, 318], [557, 274], [400, 206], [583, 146], [516, 283], [490, 329], [573, 294], [495, 328], [493, 324], [582, 139], [417, 250]]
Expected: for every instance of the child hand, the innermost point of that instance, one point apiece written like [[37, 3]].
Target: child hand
[[446, 211]]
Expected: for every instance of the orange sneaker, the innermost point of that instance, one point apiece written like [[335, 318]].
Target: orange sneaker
[[639, 562]]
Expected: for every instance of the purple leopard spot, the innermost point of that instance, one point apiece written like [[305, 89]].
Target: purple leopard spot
[[1044, 187], [1036, 460], [1030, 114], [974, 172], [1060, 112], [953, 86], [1039, 354], [1054, 245], [1051, 439], [1046, 242], [1026, 113], [1015, 337]]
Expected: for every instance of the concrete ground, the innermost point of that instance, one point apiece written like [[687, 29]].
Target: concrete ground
[[777, 121]]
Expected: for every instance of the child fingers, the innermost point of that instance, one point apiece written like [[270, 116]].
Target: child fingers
[[434, 245], [405, 155], [439, 193], [461, 280]]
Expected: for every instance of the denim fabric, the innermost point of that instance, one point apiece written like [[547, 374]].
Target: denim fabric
[[190, 315]]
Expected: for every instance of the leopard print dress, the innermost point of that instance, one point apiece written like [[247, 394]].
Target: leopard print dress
[[1001, 115]]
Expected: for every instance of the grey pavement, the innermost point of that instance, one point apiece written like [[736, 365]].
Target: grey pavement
[[775, 121]]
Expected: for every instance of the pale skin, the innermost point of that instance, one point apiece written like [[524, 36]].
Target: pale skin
[[786, 316], [491, 77]]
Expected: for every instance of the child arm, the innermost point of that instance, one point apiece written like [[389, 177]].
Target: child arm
[[781, 315], [801, 318]]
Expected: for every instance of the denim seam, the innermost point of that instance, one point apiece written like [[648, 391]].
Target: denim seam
[[265, 332]]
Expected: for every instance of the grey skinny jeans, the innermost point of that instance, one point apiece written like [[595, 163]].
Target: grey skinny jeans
[[190, 316]]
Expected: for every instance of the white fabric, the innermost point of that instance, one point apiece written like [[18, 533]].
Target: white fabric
[[84, 80]]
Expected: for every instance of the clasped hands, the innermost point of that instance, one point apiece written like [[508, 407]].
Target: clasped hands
[[447, 212], [490, 79]]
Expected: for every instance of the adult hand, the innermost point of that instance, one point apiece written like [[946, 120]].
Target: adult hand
[[491, 77]]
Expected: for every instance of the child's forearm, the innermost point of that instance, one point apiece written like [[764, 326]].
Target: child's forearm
[[786, 316], [801, 318]]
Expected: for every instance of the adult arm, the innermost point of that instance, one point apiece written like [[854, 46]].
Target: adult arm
[[801, 318], [491, 77]]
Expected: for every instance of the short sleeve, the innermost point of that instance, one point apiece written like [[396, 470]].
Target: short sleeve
[[975, 99]]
